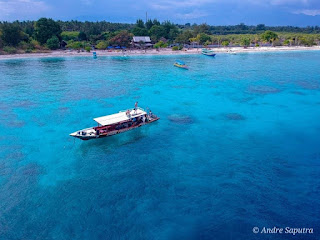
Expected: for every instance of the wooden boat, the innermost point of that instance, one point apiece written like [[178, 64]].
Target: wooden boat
[[208, 52], [180, 64], [116, 123]]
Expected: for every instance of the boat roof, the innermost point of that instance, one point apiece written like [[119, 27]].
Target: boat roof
[[180, 62], [206, 50], [119, 117]]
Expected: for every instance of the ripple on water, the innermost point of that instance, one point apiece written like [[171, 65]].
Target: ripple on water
[[298, 93], [189, 103], [243, 99], [10, 119], [16, 124], [5, 107], [181, 119], [95, 93], [18, 185], [234, 116], [263, 89], [310, 85], [26, 104], [178, 87]]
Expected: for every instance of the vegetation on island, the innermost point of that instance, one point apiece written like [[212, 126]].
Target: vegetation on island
[[47, 34]]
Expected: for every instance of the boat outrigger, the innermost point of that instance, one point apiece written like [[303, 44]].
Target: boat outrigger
[[116, 123], [180, 64], [208, 52]]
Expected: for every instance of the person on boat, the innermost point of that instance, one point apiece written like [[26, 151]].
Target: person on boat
[[128, 113], [136, 106]]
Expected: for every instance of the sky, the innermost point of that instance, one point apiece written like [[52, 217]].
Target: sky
[[213, 12]]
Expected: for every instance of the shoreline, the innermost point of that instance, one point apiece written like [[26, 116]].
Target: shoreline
[[234, 50]]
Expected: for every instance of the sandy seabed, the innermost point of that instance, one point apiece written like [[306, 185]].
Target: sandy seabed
[[230, 50]]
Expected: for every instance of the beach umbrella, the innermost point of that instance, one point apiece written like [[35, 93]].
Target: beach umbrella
[[117, 47], [109, 47]]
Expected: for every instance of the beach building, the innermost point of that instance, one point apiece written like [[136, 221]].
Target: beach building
[[141, 42]]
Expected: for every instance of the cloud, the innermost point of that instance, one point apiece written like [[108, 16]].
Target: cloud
[[166, 4], [183, 10], [308, 12], [191, 15], [87, 2], [275, 12], [21, 8], [289, 2]]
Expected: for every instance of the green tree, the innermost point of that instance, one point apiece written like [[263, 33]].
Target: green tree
[[269, 36], [123, 38], [245, 42], [184, 37], [137, 31], [46, 28], [29, 29], [160, 44], [82, 36], [70, 35], [225, 43], [53, 43], [35, 44], [1, 41], [149, 24], [10, 50], [11, 34], [156, 22], [202, 37], [170, 30], [261, 27], [207, 43], [108, 35], [102, 45], [140, 23], [173, 33], [157, 32], [202, 28], [75, 45], [307, 41]]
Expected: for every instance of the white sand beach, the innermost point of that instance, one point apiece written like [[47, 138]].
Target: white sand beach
[[74, 53]]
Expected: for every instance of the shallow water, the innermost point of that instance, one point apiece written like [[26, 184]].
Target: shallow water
[[237, 146]]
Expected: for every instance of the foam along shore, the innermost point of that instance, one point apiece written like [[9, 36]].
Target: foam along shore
[[168, 51]]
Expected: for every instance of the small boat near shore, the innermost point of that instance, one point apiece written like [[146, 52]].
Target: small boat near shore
[[116, 123], [180, 64], [208, 52], [232, 52]]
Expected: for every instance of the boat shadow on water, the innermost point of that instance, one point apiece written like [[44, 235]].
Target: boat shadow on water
[[112, 143]]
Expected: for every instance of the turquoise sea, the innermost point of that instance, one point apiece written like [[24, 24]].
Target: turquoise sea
[[237, 147]]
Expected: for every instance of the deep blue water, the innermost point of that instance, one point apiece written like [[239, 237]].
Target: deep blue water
[[237, 147]]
